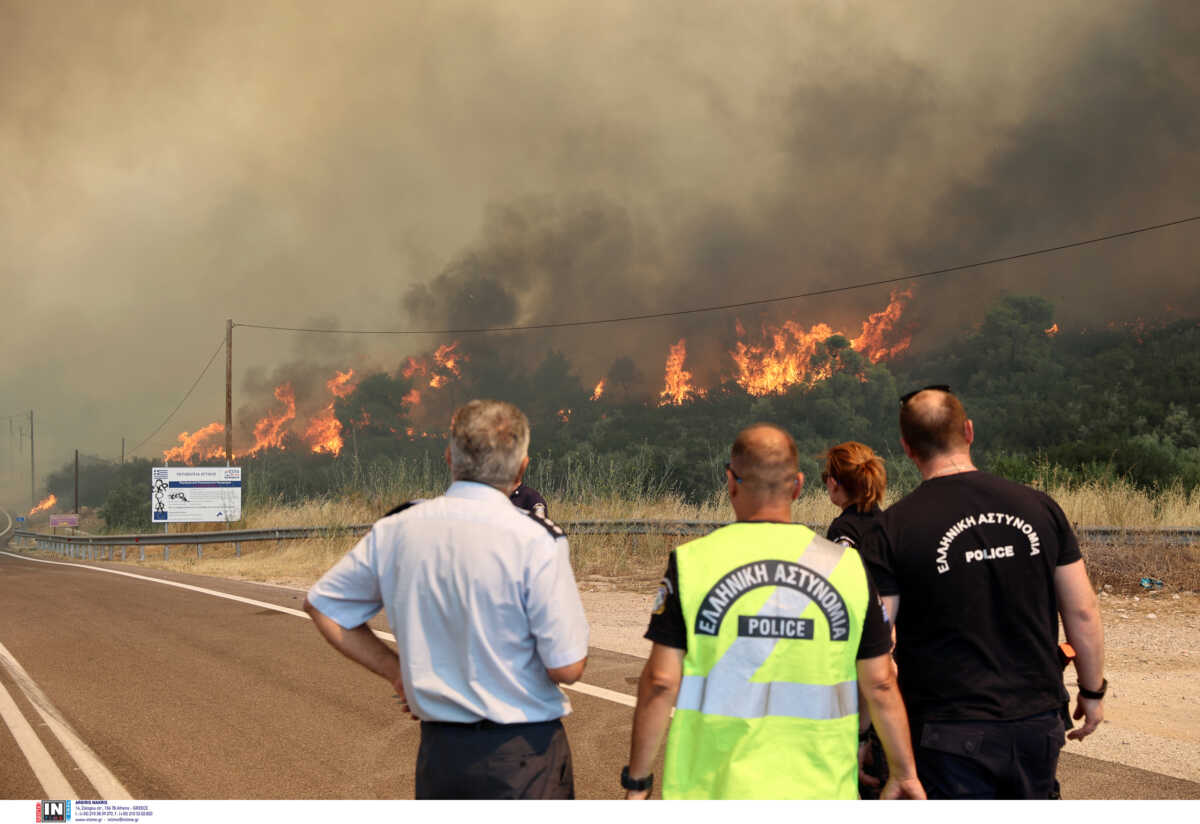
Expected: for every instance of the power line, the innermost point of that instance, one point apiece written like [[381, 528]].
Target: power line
[[741, 305], [203, 372]]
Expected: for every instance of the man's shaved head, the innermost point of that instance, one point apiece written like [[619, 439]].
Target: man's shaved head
[[931, 423], [766, 460]]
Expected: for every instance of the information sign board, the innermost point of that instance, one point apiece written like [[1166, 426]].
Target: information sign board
[[64, 520], [195, 494]]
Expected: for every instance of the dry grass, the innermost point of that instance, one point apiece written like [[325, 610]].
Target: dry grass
[[634, 561], [1119, 503]]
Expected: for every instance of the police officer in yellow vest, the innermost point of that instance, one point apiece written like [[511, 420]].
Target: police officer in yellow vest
[[762, 631]]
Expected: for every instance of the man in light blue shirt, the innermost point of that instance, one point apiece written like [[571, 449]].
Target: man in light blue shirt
[[486, 613]]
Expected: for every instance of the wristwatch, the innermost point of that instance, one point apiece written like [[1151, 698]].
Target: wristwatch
[[1095, 695], [636, 784]]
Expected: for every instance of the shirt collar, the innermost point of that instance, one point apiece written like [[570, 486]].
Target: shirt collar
[[475, 491]]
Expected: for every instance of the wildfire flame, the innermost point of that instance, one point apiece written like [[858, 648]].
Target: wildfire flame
[[598, 392], [48, 502], [786, 360], [678, 382], [339, 385], [1052, 331], [564, 415], [197, 445], [324, 432], [269, 432], [439, 368]]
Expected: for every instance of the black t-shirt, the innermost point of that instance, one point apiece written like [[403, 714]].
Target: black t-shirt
[[526, 497], [973, 557], [667, 625], [852, 526]]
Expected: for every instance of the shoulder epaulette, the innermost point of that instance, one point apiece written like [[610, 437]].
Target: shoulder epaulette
[[402, 507], [554, 529]]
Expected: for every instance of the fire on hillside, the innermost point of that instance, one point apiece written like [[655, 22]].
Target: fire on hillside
[[778, 358]]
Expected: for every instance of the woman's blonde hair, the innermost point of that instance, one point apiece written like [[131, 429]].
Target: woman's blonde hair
[[859, 471]]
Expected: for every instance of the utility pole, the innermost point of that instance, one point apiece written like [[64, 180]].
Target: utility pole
[[122, 451], [229, 392], [32, 465], [76, 481]]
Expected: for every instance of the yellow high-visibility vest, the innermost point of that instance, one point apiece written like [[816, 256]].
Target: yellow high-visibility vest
[[768, 707]]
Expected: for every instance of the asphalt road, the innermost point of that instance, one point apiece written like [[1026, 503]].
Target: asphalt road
[[177, 693]]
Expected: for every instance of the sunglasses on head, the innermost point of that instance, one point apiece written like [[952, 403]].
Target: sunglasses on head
[[941, 387]]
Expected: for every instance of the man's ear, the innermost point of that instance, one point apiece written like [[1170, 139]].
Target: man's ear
[[448, 463], [969, 431], [907, 449], [799, 485], [521, 471], [731, 485]]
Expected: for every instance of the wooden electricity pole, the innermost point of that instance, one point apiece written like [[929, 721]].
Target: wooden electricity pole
[[76, 481], [229, 392], [32, 465]]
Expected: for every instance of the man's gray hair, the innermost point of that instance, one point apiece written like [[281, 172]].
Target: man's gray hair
[[488, 441]]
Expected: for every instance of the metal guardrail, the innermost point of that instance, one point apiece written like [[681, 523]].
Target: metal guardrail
[[89, 546]]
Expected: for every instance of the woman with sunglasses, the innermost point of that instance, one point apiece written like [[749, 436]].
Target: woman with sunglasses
[[856, 480]]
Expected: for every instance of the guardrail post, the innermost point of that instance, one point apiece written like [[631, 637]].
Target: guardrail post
[[199, 552], [166, 552], [122, 553], [142, 547], [237, 548]]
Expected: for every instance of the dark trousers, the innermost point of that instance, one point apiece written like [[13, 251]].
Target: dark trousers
[[989, 759], [494, 761]]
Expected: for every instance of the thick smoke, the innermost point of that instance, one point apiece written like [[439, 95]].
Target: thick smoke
[[468, 164]]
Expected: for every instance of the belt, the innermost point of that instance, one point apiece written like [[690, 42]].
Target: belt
[[486, 724]]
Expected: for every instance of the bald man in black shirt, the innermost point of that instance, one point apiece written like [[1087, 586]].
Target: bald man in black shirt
[[975, 571]]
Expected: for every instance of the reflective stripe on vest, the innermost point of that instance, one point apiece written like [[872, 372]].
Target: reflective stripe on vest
[[750, 699]]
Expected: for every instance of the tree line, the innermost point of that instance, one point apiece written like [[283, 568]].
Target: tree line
[[1111, 403]]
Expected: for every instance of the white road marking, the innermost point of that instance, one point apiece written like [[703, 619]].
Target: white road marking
[[54, 783], [586, 689], [102, 779], [601, 692]]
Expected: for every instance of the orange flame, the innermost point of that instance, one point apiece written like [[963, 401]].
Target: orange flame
[[678, 388], [564, 415], [49, 501], [598, 392], [1052, 331], [412, 398], [324, 432], [445, 365], [786, 360], [872, 340], [198, 445], [269, 432], [339, 385], [448, 358], [415, 367]]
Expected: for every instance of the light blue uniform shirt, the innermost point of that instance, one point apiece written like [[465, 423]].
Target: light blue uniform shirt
[[481, 599]]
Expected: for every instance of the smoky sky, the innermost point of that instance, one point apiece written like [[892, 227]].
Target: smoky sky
[[164, 167]]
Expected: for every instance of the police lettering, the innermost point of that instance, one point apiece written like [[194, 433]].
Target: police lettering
[[755, 626], [989, 553], [778, 573]]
